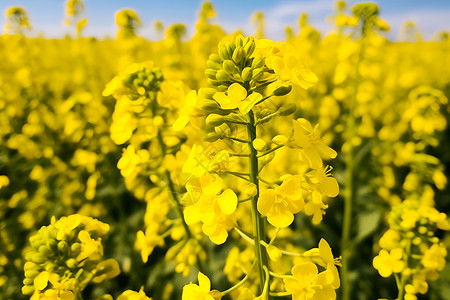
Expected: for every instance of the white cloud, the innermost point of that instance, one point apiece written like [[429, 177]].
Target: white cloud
[[428, 22]]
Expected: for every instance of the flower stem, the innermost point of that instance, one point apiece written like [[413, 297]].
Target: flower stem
[[346, 245], [257, 219], [172, 191], [270, 151], [243, 280]]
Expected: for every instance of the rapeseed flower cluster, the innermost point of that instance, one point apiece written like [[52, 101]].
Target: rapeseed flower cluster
[[65, 257], [410, 248]]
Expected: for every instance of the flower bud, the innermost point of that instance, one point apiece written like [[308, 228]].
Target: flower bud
[[250, 46], [28, 289], [208, 105], [211, 137], [50, 267], [213, 82], [210, 73], [52, 245], [238, 54], [216, 58], [230, 49], [287, 109], [206, 93], [223, 130], [282, 90], [222, 75], [63, 247], [259, 144], [223, 52], [222, 88], [31, 273], [214, 120], [29, 265], [257, 74], [251, 190], [258, 62], [71, 263], [44, 250], [213, 64], [75, 249], [229, 66], [38, 258], [239, 41], [247, 74], [274, 253]]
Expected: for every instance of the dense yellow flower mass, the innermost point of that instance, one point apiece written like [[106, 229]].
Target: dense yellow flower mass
[[223, 165], [65, 257]]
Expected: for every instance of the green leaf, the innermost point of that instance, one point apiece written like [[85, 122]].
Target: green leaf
[[367, 224]]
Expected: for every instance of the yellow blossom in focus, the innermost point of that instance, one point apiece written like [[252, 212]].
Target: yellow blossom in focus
[[291, 69], [308, 283], [236, 97], [307, 139], [280, 204]]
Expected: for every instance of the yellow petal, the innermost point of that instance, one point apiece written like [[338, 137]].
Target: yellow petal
[[180, 123], [237, 92], [325, 252], [330, 187], [311, 156], [227, 201], [280, 218], [266, 201], [191, 215], [204, 282], [223, 100], [325, 151], [305, 272], [41, 280], [246, 105]]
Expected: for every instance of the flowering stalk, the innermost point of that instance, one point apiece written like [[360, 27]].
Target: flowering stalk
[[346, 245], [240, 75], [257, 219]]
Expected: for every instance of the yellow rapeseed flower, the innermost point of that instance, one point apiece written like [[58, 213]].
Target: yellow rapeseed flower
[[389, 262], [280, 204]]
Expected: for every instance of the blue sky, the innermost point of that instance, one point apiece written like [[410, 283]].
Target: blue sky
[[47, 15]]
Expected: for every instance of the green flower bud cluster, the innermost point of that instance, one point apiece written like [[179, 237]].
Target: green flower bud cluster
[[368, 12], [234, 63], [71, 250], [143, 82]]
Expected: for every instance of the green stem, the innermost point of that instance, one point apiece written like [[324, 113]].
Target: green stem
[[271, 184], [243, 280], [238, 154], [346, 245], [172, 191], [270, 151], [268, 117], [264, 99], [238, 175], [240, 140], [262, 85], [280, 294], [258, 221], [401, 283]]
